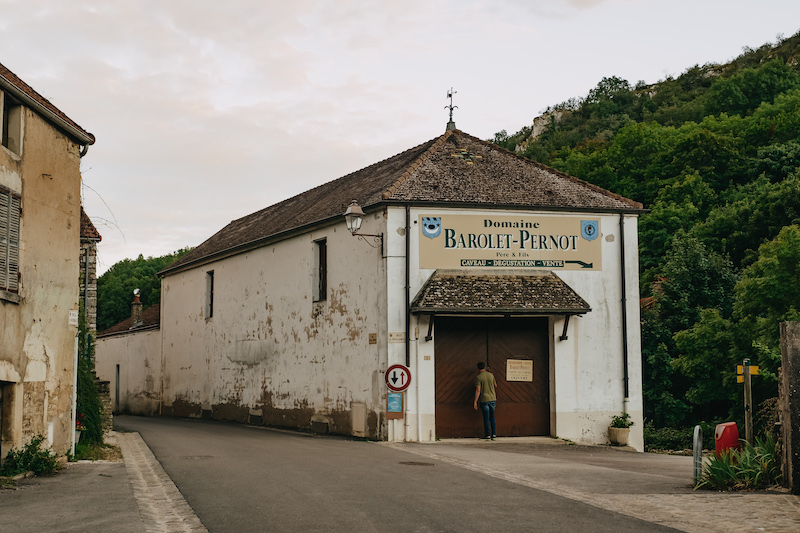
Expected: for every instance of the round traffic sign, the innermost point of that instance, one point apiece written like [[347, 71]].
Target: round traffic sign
[[398, 378]]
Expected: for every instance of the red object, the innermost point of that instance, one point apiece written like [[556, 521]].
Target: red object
[[726, 437]]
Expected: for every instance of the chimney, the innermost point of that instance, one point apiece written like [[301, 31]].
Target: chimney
[[136, 309]]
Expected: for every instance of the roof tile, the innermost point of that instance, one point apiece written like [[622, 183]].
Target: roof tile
[[454, 168], [482, 292]]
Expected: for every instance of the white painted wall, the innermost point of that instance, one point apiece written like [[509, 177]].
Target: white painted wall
[[138, 355], [270, 352], [586, 370]]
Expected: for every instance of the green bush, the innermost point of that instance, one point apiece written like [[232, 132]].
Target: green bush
[[30, 458], [752, 467], [669, 438], [89, 415], [621, 421]]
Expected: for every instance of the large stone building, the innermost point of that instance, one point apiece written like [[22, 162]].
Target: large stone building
[[467, 253], [40, 224]]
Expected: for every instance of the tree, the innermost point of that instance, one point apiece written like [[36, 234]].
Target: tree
[[115, 287], [769, 292], [695, 279]]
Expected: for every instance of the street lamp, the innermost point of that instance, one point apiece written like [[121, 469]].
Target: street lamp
[[353, 217]]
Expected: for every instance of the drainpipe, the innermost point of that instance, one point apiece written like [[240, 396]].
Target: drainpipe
[[408, 286], [624, 311], [74, 399], [408, 315], [86, 296]]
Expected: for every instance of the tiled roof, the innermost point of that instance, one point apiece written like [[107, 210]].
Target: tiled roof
[[150, 319], [482, 292], [88, 231], [453, 169], [44, 104]]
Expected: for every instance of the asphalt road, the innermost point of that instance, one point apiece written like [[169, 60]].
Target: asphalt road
[[240, 479]]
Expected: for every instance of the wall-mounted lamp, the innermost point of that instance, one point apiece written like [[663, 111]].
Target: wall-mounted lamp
[[353, 217]]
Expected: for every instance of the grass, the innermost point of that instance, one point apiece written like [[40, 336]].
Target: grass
[[94, 451]]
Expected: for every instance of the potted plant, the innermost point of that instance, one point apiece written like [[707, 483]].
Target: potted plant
[[80, 422], [619, 429]]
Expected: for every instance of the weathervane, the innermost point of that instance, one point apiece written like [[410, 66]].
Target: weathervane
[[451, 125]]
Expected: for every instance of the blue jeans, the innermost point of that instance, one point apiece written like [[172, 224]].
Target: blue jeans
[[487, 408]]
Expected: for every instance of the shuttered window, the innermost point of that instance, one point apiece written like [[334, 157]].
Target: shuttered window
[[9, 240]]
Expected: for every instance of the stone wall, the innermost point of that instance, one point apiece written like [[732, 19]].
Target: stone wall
[[104, 391], [91, 296]]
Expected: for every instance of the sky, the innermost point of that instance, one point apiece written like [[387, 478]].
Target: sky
[[206, 111]]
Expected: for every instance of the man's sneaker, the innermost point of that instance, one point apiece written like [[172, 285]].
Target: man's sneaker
[[494, 437], [486, 438]]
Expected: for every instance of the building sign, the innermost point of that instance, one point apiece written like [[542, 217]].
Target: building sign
[[493, 242], [519, 370]]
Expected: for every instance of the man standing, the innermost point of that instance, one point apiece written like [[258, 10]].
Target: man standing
[[485, 395]]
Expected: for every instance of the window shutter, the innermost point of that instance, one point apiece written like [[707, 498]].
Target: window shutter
[[9, 240]]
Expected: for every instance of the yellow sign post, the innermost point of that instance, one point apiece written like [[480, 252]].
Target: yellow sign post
[[744, 371]]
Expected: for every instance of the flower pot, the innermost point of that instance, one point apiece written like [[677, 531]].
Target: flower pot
[[618, 436], [77, 436]]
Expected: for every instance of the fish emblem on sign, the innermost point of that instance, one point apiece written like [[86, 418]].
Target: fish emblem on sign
[[431, 226], [590, 229]]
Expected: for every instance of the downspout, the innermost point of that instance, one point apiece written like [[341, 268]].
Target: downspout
[[408, 315], [86, 296], [408, 286], [624, 311], [74, 417]]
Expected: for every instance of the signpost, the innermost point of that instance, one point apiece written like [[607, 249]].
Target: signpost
[[744, 371], [398, 378]]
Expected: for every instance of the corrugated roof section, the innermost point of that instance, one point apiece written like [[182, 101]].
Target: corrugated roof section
[[493, 293], [452, 169]]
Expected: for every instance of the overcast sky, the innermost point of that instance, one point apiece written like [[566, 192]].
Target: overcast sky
[[206, 111]]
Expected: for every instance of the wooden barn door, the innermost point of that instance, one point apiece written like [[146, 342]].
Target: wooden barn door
[[523, 407]]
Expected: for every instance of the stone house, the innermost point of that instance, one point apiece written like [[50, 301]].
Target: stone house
[[293, 316], [40, 225]]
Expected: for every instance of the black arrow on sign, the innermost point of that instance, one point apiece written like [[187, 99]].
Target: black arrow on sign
[[394, 377], [581, 263]]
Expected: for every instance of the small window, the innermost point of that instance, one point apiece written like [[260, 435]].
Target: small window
[[321, 270], [9, 240], [12, 124], [209, 294]]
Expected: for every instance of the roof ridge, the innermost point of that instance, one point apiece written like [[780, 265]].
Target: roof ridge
[[592, 186], [415, 165]]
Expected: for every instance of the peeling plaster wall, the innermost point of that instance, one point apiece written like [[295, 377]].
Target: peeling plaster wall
[[271, 355], [586, 370], [38, 348], [138, 355]]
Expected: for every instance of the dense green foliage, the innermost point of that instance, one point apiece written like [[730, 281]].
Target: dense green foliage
[[714, 154], [31, 458], [89, 408], [669, 438], [115, 287]]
